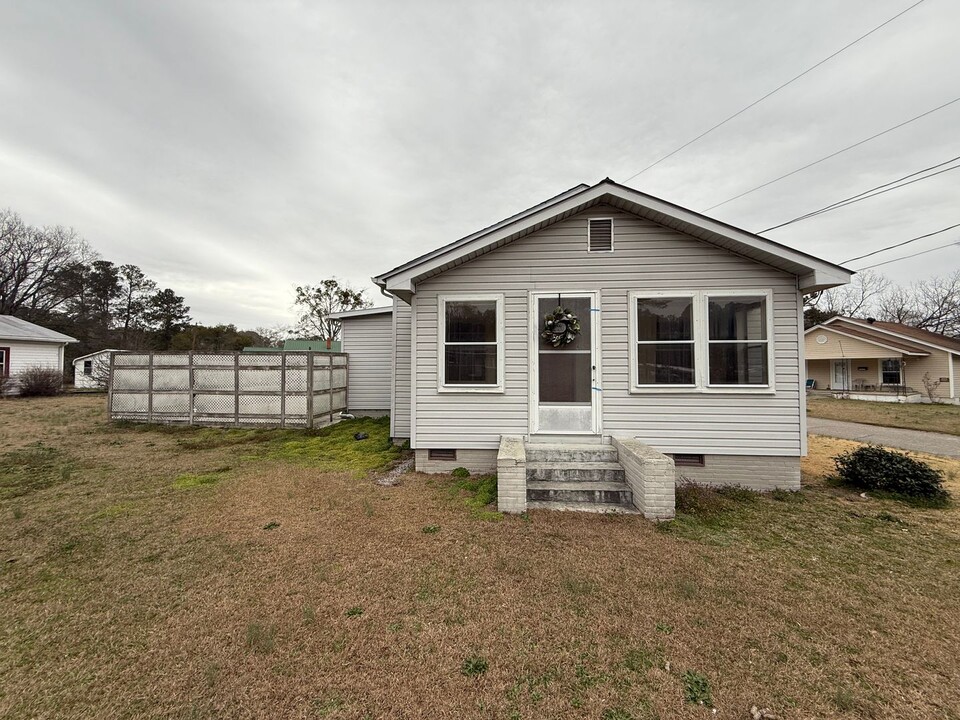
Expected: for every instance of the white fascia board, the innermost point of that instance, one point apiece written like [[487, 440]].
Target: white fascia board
[[820, 275], [361, 312]]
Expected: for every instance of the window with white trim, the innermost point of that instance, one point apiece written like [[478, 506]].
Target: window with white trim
[[471, 342], [738, 340], [665, 348], [705, 341], [890, 372], [4, 362]]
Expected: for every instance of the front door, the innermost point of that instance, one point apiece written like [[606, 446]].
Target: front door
[[841, 375], [564, 379]]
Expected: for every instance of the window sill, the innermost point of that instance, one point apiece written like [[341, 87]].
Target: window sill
[[468, 389], [719, 390]]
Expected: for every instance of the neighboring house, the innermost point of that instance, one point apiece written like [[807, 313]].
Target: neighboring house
[[691, 345], [24, 345], [92, 371], [872, 360], [367, 338]]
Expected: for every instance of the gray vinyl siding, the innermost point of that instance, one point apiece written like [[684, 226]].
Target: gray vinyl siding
[[647, 257], [367, 339], [400, 397]]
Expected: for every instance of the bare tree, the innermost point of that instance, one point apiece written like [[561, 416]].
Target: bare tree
[[857, 299], [32, 264], [932, 304]]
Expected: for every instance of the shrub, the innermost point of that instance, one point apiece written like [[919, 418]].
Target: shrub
[[460, 472], [40, 382], [872, 467]]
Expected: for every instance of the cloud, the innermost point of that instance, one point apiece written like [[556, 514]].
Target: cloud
[[236, 150]]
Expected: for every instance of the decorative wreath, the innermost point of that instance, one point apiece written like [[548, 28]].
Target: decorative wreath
[[560, 327]]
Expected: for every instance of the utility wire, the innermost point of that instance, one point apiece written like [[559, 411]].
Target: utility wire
[[907, 257], [900, 244], [834, 154], [872, 192], [772, 92]]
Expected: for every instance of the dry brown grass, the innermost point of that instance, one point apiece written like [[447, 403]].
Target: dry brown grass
[[122, 596], [912, 416]]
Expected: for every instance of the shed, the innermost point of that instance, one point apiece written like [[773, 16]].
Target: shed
[[367, 338], [92, 371]]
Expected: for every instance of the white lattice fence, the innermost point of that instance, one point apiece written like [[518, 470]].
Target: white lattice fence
[[282, 389]]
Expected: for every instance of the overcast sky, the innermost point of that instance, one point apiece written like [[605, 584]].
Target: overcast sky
[[236, 149]]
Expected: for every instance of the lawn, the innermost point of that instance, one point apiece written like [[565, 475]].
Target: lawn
[[151, 572], [913, 416]]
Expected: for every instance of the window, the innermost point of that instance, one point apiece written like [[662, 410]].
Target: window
[[890, 372], [665, 343], [600, 235], [4, 362], [708, 341], [738, 340], [471, 343], [88, 367]]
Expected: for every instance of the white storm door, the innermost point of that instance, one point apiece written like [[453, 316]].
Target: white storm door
[[841, 375], [565, 380]]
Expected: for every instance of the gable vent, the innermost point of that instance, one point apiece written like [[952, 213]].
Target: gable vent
[[600, 235]]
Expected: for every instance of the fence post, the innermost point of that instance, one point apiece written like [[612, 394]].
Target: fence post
[[150, 387], [236, 389], [330, 383], [346, 384], [309, 389], [110, 389], [190, 383], [283, 389]]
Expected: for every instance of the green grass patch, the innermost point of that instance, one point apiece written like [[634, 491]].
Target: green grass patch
[[478, 493], [696, 688], [261, 639], [334, 448], [474, 665], [187, 481], [25, 471]]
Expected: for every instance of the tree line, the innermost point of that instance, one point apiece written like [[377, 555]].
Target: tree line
[[52, 277]]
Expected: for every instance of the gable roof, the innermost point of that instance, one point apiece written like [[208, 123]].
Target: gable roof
[[813, 273], [13, 328], [99, 352], [887, 330], [887, 342]]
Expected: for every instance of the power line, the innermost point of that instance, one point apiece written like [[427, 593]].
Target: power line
[[867, 194], [900, 244], [907, 257], [772, 92], [834, 154]]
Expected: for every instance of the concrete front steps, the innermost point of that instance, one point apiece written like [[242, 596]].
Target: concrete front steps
[[585, 477]]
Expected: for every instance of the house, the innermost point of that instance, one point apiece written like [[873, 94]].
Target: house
[[882, 361], [367, 338], [677, 350], [24, 345], [92, 371]]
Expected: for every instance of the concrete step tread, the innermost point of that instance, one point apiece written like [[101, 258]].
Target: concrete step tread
[[581, 465], [590, 485], [568, 446], [608, 508]]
